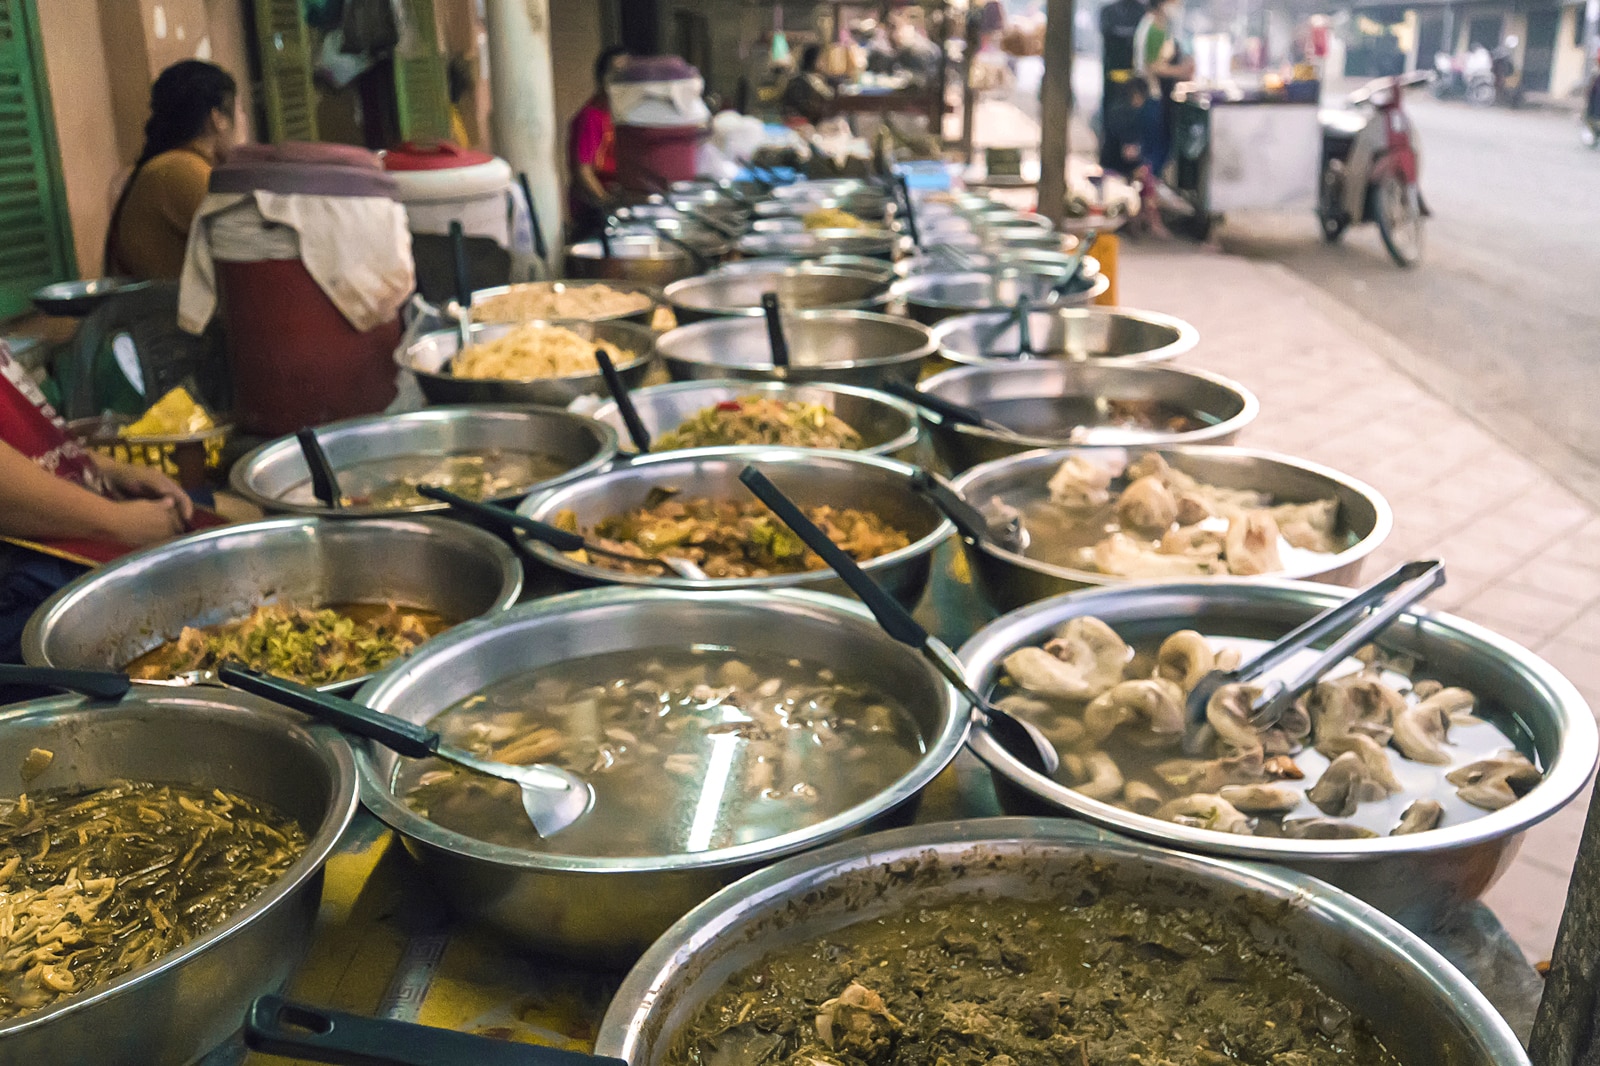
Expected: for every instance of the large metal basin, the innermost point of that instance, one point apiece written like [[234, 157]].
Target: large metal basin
[[1049, 400], [645, 256], [1009, 580], [608, 910], [847, 347], [175, 1010], [641, 317], [118, 612], [812, 244], [430, 356], [1415, 878], [1423, 1010], [888, 426], [1074, 334], [861, 263], [811, 478], [798, 287], [274, 476], [932, 298]]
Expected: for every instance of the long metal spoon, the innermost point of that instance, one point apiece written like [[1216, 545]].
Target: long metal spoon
[[1406, 584], [1073, 268], [1021, 739], [775, 338], [560, 539], [619, 392], [552, 798], [324, 479], [1007, 533], [458, 253], [948, 410]]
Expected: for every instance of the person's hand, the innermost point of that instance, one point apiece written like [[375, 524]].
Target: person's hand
[[129, 481], [138, 523]]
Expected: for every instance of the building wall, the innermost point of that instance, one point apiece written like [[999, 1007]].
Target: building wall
[[578, 34], [100, 57], [1567, 76]]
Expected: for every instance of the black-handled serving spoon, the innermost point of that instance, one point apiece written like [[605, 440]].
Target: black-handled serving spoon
[[458, 254], [948, 410], [775, 338], [619, 392], [1021, 739], [324, 479]]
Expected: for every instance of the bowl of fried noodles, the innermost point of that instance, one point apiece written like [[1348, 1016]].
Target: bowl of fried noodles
[[549, 362]]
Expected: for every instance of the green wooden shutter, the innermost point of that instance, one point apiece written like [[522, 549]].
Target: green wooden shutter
[[286, 71], [35, 234], [421, 92]]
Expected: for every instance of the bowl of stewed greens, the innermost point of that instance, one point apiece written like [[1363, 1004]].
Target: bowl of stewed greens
[[719, 731]]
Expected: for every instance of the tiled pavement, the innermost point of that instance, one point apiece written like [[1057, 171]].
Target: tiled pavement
[[1519, 548]]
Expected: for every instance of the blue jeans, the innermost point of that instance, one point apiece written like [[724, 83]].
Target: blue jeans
[[1155, 137]]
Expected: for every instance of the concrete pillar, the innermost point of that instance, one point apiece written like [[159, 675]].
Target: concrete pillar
[[522, 88]]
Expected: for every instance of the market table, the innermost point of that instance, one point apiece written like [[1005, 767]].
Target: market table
[[386, 945]]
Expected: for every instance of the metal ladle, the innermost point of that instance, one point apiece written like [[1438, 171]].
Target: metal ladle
[[324, 479], [1074, 267], [1021, 739], [552, 798], [560, 539], [1407, 584], [948, 410], [619, 392]]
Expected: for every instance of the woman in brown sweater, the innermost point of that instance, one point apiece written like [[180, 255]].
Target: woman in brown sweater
[[190, 130]]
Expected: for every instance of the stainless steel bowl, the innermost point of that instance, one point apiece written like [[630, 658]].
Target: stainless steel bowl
[[274, 476], [811, 478], [812, 244], [429, 357], [848, 347], [610, 909], [1423, 1010], [888, 426], [869, 206], [641, 317], [859, 263], [643, 254], [932, 298], [1009, 580], [933, 262], [1046, 401], [178, 1008], [1415, 878], [116, 613], [823, 189], [800, 287], [1071, 333]]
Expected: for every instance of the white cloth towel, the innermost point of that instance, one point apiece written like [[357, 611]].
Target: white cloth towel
[[356, 248]]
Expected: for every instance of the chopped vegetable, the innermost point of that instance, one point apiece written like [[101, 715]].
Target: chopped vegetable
[[95, 883], [761, 420]]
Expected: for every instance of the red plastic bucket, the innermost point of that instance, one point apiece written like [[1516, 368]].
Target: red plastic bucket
[[296, 360], [650, 156]]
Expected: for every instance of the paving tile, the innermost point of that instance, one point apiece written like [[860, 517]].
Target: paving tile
[[1577, 663], [1528, 900], [1564, 581]]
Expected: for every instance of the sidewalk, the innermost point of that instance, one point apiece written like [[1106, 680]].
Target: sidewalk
[[1515, 543]]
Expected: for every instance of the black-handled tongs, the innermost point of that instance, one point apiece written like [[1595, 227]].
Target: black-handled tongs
[[1402, 587]]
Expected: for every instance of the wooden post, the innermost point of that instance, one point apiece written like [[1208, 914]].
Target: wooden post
[[1566, 1031], [522, 83], [1055, 109], [969, 96]]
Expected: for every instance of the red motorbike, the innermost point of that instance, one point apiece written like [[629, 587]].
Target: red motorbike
[[1369, 167]]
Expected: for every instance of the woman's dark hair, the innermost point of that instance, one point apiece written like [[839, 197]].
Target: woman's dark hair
[[181, 101], [602, 64], [808, 58]]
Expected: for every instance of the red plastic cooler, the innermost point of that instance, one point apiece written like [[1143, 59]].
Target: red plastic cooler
[[296, 360]]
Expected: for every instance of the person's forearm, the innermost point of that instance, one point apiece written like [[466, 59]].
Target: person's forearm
[[36, 503], [592, 185]]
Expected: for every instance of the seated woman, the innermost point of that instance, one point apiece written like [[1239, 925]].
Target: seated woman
[[50, 488], [808, 98], [190, 130]]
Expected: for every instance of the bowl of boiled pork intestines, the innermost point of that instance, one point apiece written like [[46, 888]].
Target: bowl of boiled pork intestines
[[720, 730], [1043, 403], [1406, 776], [1094, 516]]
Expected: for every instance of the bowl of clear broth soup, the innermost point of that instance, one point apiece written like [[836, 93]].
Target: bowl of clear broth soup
[[719, 731], [1072, 518], [1046, 403], [325, 602], [1406, 776], [1037, 940], [490, 453]]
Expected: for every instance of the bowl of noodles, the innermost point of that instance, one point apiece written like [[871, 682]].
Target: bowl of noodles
[[587, 300], [531, 362]]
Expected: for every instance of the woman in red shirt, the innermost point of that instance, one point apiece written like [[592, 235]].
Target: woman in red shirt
[[52, 489], [591, 160]]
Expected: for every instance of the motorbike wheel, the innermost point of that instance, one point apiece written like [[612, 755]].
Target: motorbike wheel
[[1481, 94], [1588, 135], [1329, 214], [1398, 209]]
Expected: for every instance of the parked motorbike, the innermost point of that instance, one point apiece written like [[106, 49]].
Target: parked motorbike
[[1369, 167], [1450, 79]]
